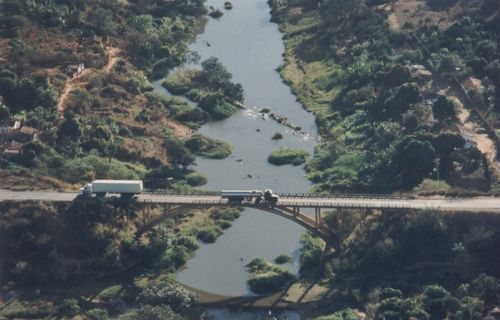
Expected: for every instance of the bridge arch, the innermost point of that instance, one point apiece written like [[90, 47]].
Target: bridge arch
[[315, 226]]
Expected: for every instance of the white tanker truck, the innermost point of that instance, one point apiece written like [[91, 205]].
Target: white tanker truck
[[126, 188]]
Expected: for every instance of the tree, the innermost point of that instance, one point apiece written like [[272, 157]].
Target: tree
[[69, 307], [415, 161], [4, 113], [336, 14], [25, 96], [178, 154], [486, 49], [444, 110], [103, 20], [487, 288], [147, 312], [448, 142], [70, 127], [215, 73], [167, 293], [493, 72]]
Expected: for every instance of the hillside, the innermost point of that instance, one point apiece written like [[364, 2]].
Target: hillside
[[77, 102], [406, 95], [393, 101]]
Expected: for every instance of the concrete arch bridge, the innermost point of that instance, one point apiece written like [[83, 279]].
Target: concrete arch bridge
[[289, 206]]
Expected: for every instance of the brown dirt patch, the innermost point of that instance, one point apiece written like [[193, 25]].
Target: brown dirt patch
[[416, 14]]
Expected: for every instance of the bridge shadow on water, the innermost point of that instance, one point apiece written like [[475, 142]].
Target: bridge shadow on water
[[294, 296]]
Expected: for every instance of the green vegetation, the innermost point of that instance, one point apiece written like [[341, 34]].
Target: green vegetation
[[196, 179], [267, 277], [346, 314], [385, 128], [208, 148], [375, 111], [294, 157], [277, 136], [105, 242], [430, 264], [211, 88], [113, 126], [310, 251], [283, 258]]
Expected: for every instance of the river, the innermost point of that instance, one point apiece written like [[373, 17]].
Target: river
[[251, 47]]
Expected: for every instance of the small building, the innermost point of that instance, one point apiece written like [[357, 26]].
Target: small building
[[493, 314], [74, 70], [420, 73], [12, 149], [26, 134], [96, 41], [7, 130]]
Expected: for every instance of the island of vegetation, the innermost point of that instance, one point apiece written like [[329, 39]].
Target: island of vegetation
[[267, 277], [211, 88], [294, 157]]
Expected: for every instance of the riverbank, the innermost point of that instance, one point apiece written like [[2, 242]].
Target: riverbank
[[372, 109]]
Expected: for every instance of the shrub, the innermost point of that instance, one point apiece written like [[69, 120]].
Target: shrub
[[196, 179], [288, 156], [147, 312], [188, 242], [110, 293], [209, 234], [269, 282], [267, 277], [283, 258], [216, 13], [166, 293], [311, 251], [209, 148], [277, 136], [69, 307], [97, 314], [227, 214]]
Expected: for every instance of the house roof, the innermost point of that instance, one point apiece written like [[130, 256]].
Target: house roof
[[28, 130], [421, 73], [473, 84]]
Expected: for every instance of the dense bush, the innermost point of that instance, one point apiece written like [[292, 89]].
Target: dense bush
[[207, 147], [283, 258], [208, 234], [288, 156], [196, 179], [267, 277], [167, 293]]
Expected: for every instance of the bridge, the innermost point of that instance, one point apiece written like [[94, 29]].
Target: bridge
[[289, 206]]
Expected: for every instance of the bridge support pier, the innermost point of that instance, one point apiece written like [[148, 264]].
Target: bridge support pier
[[317, 214], [295, 211], [364, 212]]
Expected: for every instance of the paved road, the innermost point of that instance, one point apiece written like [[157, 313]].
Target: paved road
[[459, 204]]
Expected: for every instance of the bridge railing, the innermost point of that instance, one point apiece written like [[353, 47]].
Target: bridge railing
[[348, 205], [346, 196], [185, 193]]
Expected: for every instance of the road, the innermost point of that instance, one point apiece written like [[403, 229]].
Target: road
[[445, 204]]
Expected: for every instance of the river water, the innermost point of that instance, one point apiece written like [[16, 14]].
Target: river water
[[251, 48]]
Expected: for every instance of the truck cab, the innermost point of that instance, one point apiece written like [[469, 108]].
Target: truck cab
[[86, 191]]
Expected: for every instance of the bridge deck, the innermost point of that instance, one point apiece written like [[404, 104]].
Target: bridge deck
[[302, 201]]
